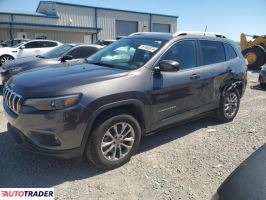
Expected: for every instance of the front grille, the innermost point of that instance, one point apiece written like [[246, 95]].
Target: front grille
[[12, 100]]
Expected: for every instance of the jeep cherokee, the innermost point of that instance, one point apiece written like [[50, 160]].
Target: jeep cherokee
[[99, 110]]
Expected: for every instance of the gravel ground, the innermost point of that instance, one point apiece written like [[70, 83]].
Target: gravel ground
[[186, 162]]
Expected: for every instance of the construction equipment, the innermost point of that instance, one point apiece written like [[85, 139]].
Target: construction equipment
[[254, 50]]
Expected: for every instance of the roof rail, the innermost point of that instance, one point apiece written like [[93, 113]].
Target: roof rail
[[139, 33], [182, 33]]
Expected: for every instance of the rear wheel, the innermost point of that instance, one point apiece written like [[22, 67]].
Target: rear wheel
[[229, 106], [5, 58], [255, 55], [114, 140]]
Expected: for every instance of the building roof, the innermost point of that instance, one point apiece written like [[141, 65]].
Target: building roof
[[104, 8], [26, 13]]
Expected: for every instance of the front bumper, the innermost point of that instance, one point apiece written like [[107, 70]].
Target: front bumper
[[25, 142], [54, 133], [4, 76]]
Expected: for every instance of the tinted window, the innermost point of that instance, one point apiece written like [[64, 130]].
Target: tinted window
[[183, 52], [230, 52], [32, 45], [83, 52], [212, 52], [46, 44]]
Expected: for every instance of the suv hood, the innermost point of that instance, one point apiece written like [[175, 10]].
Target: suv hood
[[61, 77], [21, 62]]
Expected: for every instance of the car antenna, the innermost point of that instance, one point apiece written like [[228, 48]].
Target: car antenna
[[205, 29]]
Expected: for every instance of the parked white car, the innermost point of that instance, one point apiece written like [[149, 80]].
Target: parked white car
[[29, 48]]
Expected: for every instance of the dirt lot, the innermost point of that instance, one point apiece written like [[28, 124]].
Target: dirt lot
[[186, 162]]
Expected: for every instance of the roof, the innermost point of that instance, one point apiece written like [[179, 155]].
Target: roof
[[26, 13], [112, 9], [87, 45], [169, 36], [156, 35]]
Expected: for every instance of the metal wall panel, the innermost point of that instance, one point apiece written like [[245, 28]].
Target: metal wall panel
[[5, 18], [4, 34], [124, 28], [76, 16], [35, 20], [107, 19], [61, 36], [156, 27], [166, 20]]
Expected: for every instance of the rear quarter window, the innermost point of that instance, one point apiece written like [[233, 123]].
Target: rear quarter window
[[230, 52], [212, 52]]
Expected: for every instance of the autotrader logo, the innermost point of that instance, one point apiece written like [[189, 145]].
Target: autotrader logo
[[27, 193]]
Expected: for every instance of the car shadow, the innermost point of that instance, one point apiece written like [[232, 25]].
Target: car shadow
[[1, 89], [20, 168], [258, 87]]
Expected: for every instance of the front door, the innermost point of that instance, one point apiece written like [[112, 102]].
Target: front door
[[175, 95]]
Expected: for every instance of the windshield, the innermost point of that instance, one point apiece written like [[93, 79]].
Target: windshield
[[127, 53], [57, 52], [19, 44]]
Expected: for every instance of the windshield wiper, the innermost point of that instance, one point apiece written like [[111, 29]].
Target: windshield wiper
[[39, 56], [101, 63]]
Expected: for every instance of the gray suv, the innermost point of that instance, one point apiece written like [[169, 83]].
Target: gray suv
[[99, 110]]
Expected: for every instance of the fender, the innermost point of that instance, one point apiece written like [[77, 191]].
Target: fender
[[108, 106], [231, 86]]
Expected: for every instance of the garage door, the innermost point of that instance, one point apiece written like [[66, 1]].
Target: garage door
[[124, 28], [156, 27]]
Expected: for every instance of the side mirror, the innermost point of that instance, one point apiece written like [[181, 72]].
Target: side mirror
[[66, 57], [22, 47], [167, 66]]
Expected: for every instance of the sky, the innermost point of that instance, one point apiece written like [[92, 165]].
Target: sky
[[229, 17]]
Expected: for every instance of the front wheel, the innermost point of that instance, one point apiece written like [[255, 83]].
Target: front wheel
[[5, 58], [114, 140], [229, 106]]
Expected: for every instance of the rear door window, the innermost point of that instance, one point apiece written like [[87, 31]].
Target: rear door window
[[230, 52], [31, 45], [184, 52], [47, 44], [212, 52]]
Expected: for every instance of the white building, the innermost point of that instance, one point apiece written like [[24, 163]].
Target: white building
[[78, 23]]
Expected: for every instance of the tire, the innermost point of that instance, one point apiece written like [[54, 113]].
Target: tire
[[229, 106], [257, 54], [103, 148], [261, 81], [5, 58]]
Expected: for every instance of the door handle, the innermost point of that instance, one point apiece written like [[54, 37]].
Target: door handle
[[229, 69], [195, 76]]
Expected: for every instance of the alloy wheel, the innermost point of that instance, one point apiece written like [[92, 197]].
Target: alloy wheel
[[4, 59], [230, 106], [117, 141]]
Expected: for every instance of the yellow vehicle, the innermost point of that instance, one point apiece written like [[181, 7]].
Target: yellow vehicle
[[254, 50]]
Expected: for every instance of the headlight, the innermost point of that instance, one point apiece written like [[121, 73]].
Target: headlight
[[54, 103]]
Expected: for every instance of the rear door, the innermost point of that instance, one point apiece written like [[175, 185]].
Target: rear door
[[176, 94], [213, 67], [45, 46]]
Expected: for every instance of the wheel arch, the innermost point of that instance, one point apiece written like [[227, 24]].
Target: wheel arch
[[233, 84], [133, 106], [7, 55]]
